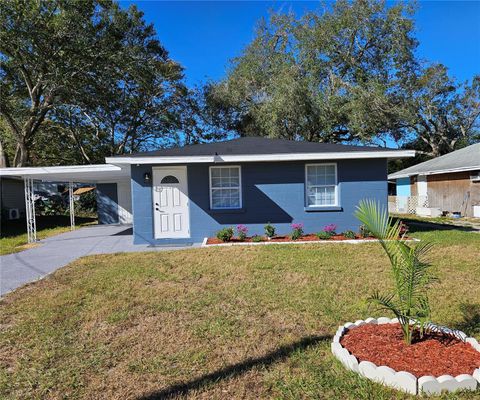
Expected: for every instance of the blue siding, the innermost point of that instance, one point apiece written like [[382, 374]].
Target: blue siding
[[272, 192], [403, 187], [107, 203]]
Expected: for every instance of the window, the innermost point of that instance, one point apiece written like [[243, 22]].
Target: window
[[169, 179], [225, 188], [321, 185]]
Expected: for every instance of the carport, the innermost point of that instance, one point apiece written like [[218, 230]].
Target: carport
[[114, 181]]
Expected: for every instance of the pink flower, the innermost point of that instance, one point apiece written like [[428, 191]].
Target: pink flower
[[297, 226], [242, 229], [330, 228]]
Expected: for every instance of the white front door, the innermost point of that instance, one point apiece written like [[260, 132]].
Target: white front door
[[170, 203]]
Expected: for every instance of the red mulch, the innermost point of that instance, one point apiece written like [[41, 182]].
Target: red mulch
[[305, 238], [433, 355]]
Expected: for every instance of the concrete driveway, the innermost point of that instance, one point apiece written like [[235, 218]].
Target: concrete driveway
[[55, 252]]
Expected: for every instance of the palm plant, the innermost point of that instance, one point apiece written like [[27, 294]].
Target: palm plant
[[410, 270]]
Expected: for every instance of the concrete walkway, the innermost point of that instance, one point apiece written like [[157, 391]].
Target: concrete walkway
[[57, 251]]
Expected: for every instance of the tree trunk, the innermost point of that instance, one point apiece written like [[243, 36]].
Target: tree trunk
[[4, 162], [435, 149], [79, 144], [21, 154]]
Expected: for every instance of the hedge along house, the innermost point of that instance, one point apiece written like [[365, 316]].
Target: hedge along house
[[182, 195]]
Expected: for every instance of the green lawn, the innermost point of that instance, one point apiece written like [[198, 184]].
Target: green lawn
[[214, 323], [465, 221], [14, 237]]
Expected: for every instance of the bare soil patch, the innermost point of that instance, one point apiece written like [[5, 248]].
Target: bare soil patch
[[432, 355]]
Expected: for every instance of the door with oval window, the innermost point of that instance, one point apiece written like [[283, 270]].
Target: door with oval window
[[170, 203]]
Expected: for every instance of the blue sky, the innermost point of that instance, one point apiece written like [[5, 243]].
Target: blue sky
[[204, 36]]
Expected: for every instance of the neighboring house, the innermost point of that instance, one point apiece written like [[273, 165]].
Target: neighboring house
[[185, 194], [12, 195], [112, 188], [12, 198], [182, 195], [446, 184]]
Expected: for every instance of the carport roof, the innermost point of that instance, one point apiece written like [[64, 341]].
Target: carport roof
[[96, 173]]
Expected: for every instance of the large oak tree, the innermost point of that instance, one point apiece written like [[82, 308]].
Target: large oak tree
[[346, 74], [334, 76], [87, 73], [442, 114]]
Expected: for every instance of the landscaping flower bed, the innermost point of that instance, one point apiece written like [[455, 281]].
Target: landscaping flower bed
[[328, 233], [375, 348], [285, 238]]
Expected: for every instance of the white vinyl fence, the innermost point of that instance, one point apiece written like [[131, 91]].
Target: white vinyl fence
[[406, 204]]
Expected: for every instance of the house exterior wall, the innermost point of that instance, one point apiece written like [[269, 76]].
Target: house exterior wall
[[271, 192], [454, 192], [107, 203], [403, 187], [12, 195], [413, 185], [124, 195]]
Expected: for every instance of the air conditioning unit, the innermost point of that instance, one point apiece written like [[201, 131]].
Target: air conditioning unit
[[13, 213], [475, 177]]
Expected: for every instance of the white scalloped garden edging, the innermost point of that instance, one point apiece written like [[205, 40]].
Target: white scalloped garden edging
[[402, 380]]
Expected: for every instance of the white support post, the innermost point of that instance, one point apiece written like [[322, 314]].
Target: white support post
[[71, 206], [30, 210]]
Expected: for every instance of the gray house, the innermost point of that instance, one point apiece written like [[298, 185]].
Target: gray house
[[182, 195], [185, 194]]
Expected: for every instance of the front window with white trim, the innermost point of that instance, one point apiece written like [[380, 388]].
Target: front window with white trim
[[225, 187], [321, 185]]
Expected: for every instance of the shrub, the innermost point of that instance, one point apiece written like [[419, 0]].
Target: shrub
[[349, 234], [86, 205], [297, 231], [323, 235], [410, 271], [257, 238], [242, 231], [225, 234], [364, 232], [403, 228], [51, 206], [330, 229], [269, 230]]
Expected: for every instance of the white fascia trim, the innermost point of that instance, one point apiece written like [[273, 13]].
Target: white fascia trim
[[31, 171], [440, 171], [262, 157], [159, 160]]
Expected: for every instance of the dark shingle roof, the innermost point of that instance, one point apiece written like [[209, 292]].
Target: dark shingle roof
[[253, 146]]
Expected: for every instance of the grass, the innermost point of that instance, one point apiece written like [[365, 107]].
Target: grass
[[14, 237], [466, 221], [214, 323]]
